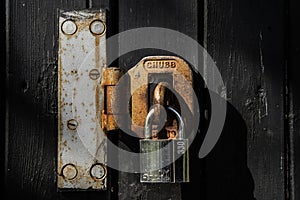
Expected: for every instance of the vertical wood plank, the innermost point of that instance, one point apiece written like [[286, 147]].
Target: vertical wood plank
[[3, 23], [99, 4], [177, 15], [246, 40], [293, 139], [32, 112]]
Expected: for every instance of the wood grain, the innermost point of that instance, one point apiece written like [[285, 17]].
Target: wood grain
[[246, 40], [293, 99], [3, 85], [32, 112], [258, 152]]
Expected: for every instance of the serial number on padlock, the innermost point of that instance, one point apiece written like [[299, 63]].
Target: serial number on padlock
[[180, 147]]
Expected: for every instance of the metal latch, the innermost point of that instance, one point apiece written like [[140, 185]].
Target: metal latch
[[155, 80], [91, 102]]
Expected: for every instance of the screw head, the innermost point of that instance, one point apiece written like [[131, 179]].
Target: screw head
[[72, 124], [97, 27], [69, 171], [98, 171], [69, 27], [94, 74]]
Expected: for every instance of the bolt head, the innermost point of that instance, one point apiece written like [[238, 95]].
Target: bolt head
[[98, 171], [94, 74], [69, 171], [72, 124], [69, 27], [97, 27]]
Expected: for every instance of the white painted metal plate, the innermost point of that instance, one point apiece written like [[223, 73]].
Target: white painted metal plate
[[81, 141]]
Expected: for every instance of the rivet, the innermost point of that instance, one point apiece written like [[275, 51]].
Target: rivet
[[94, 74], [97, 27], [72, 124], [69, 27], [69, 171], [98, 171]]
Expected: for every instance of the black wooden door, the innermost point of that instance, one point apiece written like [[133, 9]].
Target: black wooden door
[[256, 155]]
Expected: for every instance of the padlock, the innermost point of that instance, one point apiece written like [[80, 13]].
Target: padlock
[[164, 160]]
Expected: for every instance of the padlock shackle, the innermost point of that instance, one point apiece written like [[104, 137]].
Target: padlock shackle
[[180, 121], [148, 128]]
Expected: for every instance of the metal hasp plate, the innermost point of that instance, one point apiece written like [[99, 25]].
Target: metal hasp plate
[[81, 142], [156, 69]]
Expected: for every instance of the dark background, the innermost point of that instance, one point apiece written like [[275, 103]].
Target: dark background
[[256, 47]]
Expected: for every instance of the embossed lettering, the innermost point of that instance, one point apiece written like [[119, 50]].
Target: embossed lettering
[[160, 64]]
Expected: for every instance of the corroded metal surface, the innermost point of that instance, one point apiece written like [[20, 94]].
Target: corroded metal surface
[[162, 96], [112, 97], [81, 141], [140, 77]]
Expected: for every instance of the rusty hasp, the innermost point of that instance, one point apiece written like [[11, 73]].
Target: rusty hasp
[[112, 106], [164, 73], [82, 144], [153, 75]]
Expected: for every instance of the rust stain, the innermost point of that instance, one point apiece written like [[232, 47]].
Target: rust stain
[[97, 101], [83, 179], [97, 52], [110, 78], [139, 74], [160, 94], [60, 123]]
